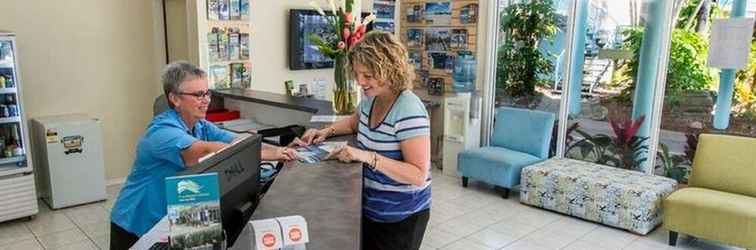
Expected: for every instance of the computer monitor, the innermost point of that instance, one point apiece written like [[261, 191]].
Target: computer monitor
[[238, 169]]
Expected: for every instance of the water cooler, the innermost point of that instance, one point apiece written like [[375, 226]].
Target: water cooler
[[461, 128], [68, 159]]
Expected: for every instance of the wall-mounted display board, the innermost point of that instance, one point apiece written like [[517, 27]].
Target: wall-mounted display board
[[228, 43], [434, 33]]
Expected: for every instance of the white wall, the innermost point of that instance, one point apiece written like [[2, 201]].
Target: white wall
[[270, 58], [102, 58], [89, 56]]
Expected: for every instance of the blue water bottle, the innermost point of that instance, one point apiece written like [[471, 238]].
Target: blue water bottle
[[464, 72]]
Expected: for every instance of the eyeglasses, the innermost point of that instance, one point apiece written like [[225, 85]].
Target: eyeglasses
[[199, 94]]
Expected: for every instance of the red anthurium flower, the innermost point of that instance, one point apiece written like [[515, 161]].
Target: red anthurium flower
[[346, 34], [341, 45], [348, 18], [360, 30], [353, 40]]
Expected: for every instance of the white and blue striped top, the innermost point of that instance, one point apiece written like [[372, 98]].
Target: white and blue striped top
[[384, 199]]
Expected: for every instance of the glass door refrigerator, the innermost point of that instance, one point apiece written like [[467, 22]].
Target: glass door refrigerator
[[18, 197]]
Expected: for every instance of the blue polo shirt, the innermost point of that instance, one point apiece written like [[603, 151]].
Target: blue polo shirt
[[141, 202]]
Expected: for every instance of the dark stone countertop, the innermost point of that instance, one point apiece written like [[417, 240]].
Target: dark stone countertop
[[327, 194], [314, 106]]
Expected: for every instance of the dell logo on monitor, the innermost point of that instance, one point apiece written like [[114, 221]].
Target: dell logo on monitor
[[236, 170]]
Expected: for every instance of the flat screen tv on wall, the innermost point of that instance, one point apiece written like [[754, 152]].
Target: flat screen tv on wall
[[302, 53]]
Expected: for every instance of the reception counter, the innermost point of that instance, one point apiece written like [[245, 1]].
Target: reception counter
[[327, 194]]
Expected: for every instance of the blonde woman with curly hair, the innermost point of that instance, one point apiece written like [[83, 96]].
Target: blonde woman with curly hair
[[393, 137]]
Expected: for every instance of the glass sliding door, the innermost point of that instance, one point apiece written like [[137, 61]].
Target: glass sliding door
[[599, 65], [617, 59]]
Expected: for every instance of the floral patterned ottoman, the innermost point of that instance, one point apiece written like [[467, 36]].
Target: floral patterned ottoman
[[616, 197]]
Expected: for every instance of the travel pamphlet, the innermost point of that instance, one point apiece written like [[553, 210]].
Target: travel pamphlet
[[193, 212], [317, 152]]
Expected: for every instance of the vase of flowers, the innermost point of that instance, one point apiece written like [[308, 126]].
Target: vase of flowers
[[347, 30]]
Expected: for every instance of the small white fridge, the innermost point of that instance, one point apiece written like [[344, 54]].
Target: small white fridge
[[69, 159]]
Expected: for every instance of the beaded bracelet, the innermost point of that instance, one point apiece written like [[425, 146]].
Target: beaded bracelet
[[375, 162], [333, 131]]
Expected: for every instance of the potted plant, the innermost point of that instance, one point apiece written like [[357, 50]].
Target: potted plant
[[623, 150], [673, 166], [348, 30]]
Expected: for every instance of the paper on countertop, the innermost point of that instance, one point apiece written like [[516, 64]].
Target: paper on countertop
[[157, 234], [329, 146], [730, 43], [327, 118], [317, 152]]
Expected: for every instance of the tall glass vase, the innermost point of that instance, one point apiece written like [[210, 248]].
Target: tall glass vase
[[344, 93]]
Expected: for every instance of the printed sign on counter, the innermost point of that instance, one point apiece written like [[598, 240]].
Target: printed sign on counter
[[294, 229], [267, 234]]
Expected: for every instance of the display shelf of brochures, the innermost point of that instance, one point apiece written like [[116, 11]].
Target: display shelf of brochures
[[227, 44]]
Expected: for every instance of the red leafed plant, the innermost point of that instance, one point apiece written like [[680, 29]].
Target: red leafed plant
[[624, 150], [627, 145]]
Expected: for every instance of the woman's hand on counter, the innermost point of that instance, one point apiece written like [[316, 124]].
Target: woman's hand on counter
[[274, 153], [349, 154], [315, 136], [297, 143], [286, 153]]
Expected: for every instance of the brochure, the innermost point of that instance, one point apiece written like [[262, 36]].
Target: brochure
[[383, 25], [212, 45], [222, 45], [415, 14], [193, 211], [244, 9], [233, 46], [223, 9], [415, 37], [437, 39], [415, 58], [459, 39], [212, 10], [219, 76], [436, 86], [234, 12], [317, 152], [237, 75], [438, 13], [384, 10], [244, 46], [469, 14]]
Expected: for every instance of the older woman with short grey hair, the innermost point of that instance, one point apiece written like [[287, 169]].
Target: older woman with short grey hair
[[174, 139]]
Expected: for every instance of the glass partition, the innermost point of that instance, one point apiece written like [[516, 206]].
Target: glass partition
[[694, 90], [531, 53]]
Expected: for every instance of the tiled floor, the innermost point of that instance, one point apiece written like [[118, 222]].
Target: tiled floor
[[461, 218], [476, 217], [81, 227]]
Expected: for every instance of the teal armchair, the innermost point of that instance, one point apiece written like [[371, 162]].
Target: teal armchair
[[520, 138]]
